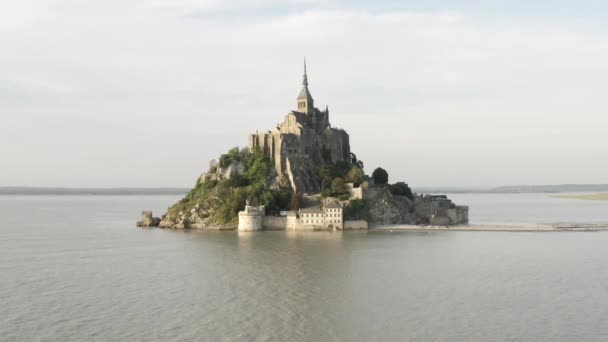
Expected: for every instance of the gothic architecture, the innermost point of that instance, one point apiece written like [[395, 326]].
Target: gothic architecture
[[302, 142]]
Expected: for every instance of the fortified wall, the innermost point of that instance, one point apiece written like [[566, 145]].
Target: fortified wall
[[439, 210]]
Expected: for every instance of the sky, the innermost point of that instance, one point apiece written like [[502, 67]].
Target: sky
[[134, 93]]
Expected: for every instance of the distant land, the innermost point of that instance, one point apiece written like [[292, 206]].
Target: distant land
[[22, 190], [554, 188], [550, 188], [587, 197]]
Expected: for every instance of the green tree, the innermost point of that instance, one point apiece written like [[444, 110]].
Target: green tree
[[355, 176], [380, 176], [338, 186], [401, 189], [325, 174]]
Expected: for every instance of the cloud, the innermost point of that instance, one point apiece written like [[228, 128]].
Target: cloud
[[419, 91]]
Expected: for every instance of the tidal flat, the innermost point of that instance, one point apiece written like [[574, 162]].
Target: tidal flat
[[588, 197]]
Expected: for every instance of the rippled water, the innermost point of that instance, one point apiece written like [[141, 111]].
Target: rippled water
[[76, 269], [518, 209]]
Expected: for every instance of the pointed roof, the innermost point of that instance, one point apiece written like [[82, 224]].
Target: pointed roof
[[304, 93]]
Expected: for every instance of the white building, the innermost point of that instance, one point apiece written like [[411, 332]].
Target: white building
[[251, 219], [330, 216]]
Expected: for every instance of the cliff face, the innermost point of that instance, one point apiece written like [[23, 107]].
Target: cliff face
[[385, 208]]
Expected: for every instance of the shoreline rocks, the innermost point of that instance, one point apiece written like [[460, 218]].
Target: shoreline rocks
[[148, 220]]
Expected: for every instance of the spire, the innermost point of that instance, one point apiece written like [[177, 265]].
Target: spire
[[305, 101], [305, 79]]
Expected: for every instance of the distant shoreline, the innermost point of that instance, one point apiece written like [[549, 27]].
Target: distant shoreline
[[498, 228], [586, 197], [36, 191], [517, 189]]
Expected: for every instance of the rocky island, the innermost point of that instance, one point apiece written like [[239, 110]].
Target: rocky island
[[301, 175]]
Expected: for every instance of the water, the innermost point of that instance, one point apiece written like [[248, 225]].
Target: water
[[522, 209], [76, 269]]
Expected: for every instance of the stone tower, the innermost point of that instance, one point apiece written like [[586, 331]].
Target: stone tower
[[305, 101]]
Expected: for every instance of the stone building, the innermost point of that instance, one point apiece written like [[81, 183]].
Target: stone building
[[304, 140], [251, 219], [439, 210], [329, 216]]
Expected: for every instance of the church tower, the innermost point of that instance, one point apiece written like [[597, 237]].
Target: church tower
[[305, 101]]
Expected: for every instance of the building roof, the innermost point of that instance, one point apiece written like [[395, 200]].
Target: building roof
[[333, 204], [300, 117], [311, 210], [305, 94]]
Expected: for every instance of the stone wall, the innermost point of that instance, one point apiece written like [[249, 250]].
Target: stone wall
[[249, 222], [355, 193], [459, 214], [354, 225], [274, 222]]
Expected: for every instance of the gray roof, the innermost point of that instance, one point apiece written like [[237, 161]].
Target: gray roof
[[333, 205], [305, 94]]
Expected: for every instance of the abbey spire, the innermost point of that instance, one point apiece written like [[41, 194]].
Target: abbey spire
[[305, 101]]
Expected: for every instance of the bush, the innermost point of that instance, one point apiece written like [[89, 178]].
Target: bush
[[344, 197], [326, 193], [236, 181], [355, 176]]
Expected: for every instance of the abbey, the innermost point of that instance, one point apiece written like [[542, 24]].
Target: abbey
[[301, 175], [304, 140]]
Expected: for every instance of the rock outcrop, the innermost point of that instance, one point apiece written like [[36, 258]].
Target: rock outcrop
[[385, 208], [148, 220]]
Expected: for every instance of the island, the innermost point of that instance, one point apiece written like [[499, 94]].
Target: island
[[301, 175]]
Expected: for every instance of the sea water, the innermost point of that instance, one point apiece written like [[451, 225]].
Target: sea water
[[75, 268]]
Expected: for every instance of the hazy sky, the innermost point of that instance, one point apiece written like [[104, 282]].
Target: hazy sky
[[145, 93]]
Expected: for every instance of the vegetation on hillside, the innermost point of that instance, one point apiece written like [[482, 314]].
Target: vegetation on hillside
[[335, 176], [221, 200], [380, 177]]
